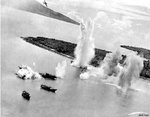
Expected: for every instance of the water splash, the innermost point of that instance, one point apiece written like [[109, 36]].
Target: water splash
[[110, 70], [85, 51], [131, 71], [61, 69], [123, 76], [25, 72], [110, 63], [109, 67]]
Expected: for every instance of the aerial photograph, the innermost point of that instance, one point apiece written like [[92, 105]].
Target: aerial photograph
[[75, 58]]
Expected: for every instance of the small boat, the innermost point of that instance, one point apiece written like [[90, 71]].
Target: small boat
[[26, 95], [48, 88], [21, 77], [48, 76], [83, 69]]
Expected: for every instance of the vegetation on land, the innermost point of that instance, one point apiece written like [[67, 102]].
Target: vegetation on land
[[67, 49]]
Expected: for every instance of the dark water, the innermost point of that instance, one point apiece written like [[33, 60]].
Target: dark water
[[75, 97]]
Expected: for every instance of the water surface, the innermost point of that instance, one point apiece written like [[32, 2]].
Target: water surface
[[75, 97]]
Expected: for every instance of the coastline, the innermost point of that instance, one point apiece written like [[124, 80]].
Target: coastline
[[66, 49]]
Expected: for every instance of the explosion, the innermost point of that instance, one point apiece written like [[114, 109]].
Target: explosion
[[25, 72], [131, 71], [85, 50], [61, 69]]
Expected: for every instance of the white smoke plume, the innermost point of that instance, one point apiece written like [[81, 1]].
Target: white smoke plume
[[92, 71], [110, 63], [124, 76], [85, 51], [61, 69], [25, 72], [109, 67], [131, 71]]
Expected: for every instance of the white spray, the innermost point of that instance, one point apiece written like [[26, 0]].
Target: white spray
[[131, 71], [61, 69], [110, 63], [123, 75], [109, 66], [84, 51], [25, 72]]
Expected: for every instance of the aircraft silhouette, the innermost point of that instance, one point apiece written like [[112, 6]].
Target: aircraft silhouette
[[45, 3]]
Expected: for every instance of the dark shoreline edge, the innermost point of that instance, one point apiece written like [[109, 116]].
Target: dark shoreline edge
[[63, 48], [66, 49], [45, 47]]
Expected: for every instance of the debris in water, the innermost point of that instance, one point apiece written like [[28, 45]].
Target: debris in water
[[48, 76], [26, 95], [25, 72], [48, 88]]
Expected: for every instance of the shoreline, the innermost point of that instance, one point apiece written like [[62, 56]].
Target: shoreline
[[66, 49]]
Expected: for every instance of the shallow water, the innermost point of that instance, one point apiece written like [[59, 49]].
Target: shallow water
[[75, 97]]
